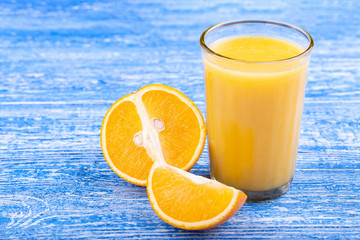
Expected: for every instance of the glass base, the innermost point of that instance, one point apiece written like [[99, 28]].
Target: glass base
[[259, 196]]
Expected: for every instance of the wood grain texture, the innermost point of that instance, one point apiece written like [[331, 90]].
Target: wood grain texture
[[62, 65]]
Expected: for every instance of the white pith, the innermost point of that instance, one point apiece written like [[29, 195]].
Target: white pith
[[150, 136]]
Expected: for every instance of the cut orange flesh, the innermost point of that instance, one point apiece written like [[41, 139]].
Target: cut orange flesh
[[156, 123], [191, 202]]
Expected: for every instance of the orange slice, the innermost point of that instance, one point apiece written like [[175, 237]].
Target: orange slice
[[155, 123], [191, 202]]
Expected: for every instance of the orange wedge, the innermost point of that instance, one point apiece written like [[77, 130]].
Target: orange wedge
[[155, 123], [191, 202]]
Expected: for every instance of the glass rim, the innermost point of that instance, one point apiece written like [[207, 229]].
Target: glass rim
[[282, 24]]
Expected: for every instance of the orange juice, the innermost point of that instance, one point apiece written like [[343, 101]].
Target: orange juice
[[253, 110]]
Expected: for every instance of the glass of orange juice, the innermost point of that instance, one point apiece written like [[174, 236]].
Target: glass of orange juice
[[255, 74]]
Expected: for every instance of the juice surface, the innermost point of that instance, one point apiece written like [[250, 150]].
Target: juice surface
[[257, 49], [253, 117]]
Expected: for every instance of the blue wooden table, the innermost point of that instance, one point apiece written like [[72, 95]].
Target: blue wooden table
[[62, 65]]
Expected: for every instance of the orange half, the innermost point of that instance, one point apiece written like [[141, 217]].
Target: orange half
[[155, 123], [191, 202]]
